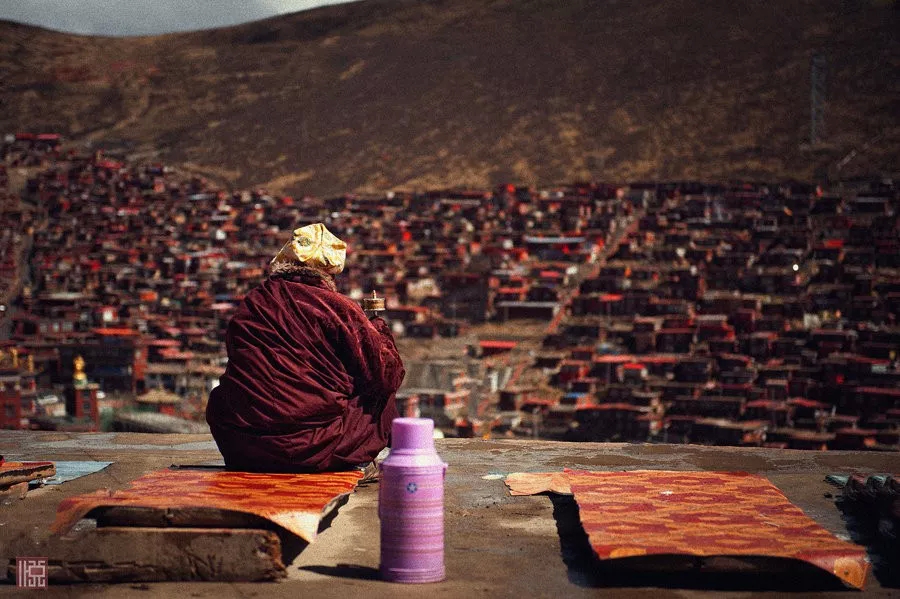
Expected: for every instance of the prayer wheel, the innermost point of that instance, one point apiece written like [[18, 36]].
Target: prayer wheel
[[374, 303]]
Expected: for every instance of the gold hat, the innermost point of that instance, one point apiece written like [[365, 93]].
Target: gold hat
[[316, 247]]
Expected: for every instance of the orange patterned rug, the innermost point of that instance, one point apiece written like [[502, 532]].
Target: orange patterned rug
[[648, 512], [296, 502]]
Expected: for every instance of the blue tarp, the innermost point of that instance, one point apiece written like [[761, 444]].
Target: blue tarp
[[66, 471]]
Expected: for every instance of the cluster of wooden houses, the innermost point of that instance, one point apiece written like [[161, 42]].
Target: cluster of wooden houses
[[741, 315], [30, 149], [137, 270], [735, 314]]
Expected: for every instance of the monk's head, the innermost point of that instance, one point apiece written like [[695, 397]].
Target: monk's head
[[311, 248]]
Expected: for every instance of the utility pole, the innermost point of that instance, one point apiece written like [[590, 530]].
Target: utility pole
[[818, 73]]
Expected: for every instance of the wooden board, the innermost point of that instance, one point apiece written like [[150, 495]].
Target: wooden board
[[135, 554], [11, 492], [193, 517], [12, 473]]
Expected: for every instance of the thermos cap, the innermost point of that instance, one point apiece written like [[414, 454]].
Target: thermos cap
[[412, 433]]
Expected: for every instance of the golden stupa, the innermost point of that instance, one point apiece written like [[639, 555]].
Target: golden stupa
[[79, 377]]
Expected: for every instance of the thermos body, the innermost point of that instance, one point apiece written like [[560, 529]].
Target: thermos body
[[411, 507]]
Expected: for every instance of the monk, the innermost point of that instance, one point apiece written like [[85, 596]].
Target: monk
[[311, 379]]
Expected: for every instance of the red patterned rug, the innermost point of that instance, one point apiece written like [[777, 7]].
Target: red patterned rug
[[650, 512]]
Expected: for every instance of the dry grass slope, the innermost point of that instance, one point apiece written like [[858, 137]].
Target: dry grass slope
[[412, 93]]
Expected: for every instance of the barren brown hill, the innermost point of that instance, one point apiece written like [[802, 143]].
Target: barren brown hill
[[411, 93]]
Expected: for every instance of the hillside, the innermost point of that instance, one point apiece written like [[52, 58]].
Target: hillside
[[410, 93]]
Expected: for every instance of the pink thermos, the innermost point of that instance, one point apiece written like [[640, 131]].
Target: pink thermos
[[411, 504]]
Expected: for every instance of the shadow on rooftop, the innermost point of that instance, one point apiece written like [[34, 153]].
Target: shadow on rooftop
[[673, 571], [346, 571], [292, 545], [871, 527], [340, 570]]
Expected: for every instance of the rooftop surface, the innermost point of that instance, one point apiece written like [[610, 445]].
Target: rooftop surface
[[495, 545]]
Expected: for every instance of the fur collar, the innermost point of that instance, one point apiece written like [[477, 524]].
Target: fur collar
[[303, 274]]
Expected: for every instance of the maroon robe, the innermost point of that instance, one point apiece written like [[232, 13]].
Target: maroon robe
[[310, 381]]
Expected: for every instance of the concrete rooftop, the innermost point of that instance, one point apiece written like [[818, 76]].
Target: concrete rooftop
[[495, 545]]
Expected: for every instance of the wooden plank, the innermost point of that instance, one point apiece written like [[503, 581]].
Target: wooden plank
[[203, 517], [114, 554], [12, 492], [188, 517], [12, 473]]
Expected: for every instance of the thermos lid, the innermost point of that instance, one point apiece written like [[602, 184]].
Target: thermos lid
[[412, 433]]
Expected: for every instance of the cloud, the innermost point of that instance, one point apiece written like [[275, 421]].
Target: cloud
[[146, 17]]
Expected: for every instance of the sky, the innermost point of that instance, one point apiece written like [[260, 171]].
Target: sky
[[145, 17]]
